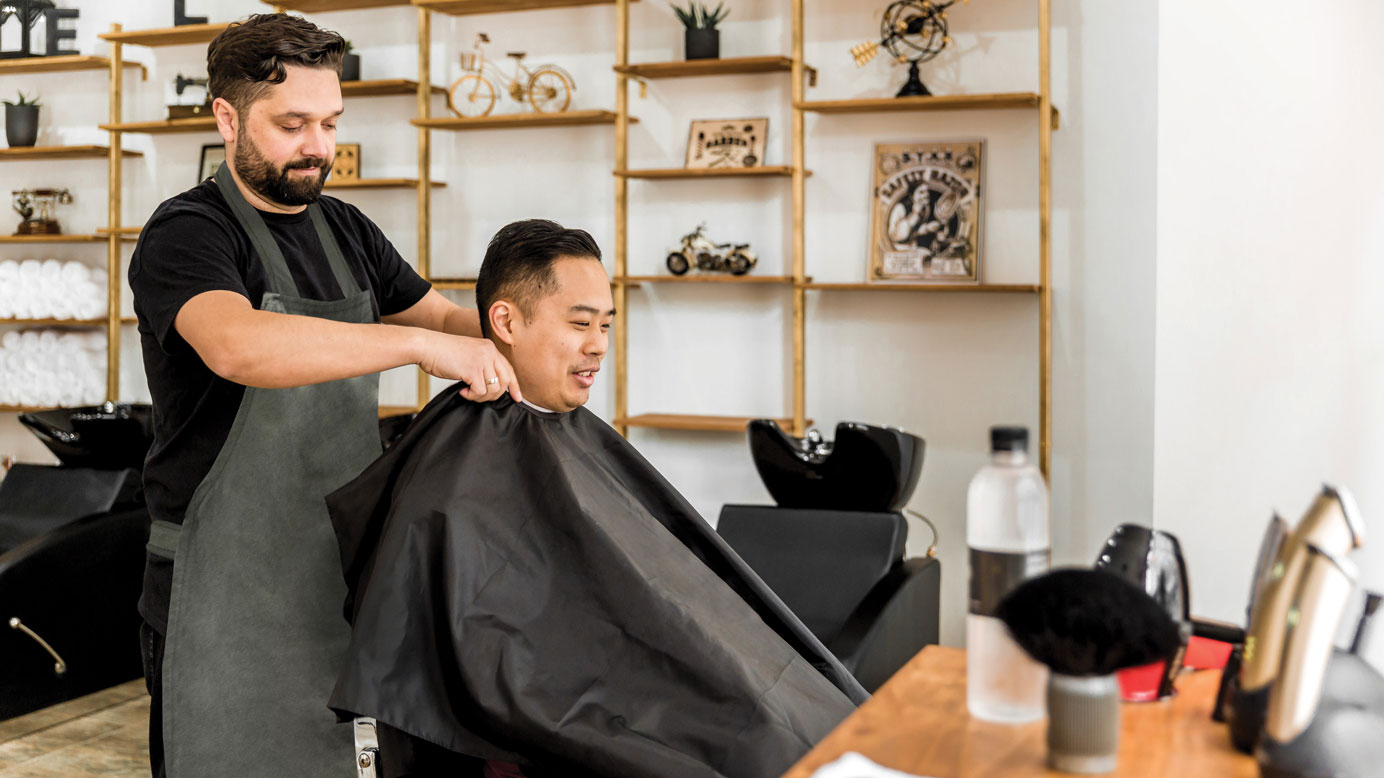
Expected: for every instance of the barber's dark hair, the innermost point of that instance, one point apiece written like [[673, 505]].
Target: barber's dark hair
[[250, 55], [518, 264]]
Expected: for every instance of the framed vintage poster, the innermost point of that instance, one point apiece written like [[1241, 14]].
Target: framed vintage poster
[[726, 143], [213, 154], [925, 211]]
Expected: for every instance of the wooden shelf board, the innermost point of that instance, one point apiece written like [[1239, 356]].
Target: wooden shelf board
[[517, 120], [320, 6], [54, 322], [62, 64], [762, 171], [26, 408], [706, 279], [909, 287], [384, 86], [164, 126], [52, 238], [380, 183], [694, 423], [168, 36], [929, 103], [395, 410], [707, 67], [60, 152], [454, 283], [127, 234], [467, 7]]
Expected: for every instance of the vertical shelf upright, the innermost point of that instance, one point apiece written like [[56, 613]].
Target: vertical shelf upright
[[114, 183]]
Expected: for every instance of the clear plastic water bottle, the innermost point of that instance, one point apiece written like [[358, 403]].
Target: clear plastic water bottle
[[1010, 541]]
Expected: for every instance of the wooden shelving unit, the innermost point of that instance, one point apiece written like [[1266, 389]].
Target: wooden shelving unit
[[320, 6], [940, 288], [981, 102], [796, 169], [384, 87], [510, 121], [693, 423], [62, 64], [763, 171], [454, 284], [165, 126], [380, 183], [468, 7], [733, 66], [27, 153], [52, 239], [167, 36], [745, 280]]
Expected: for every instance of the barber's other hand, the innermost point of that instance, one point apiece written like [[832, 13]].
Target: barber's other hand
[[471, 360]]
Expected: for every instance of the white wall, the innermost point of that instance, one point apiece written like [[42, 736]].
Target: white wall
[[1270, 348]]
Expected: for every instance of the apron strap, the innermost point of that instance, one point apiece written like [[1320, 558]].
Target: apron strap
[[344, 277], [280, 279]]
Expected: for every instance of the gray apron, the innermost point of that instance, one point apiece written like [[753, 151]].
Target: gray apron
[[255, 629]]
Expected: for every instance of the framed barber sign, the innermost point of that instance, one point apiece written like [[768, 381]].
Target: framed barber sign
[[925, 211]]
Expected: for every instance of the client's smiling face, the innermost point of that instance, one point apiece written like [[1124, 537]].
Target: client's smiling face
[[557, 351]]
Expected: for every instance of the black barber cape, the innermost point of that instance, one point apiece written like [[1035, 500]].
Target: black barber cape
[[524, 586]]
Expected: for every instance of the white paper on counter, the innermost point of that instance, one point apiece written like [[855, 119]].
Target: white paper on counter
[[853, 765]]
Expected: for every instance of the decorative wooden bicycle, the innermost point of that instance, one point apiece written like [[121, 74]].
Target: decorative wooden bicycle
[[548, 88]]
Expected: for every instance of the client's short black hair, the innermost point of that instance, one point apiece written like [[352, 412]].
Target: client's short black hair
[[518, 264]]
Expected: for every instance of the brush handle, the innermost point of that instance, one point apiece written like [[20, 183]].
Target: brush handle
[[1083, 723]]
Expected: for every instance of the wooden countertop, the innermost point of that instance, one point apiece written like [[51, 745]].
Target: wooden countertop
[[917, 723]]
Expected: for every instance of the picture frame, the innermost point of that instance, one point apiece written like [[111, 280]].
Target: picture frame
[[726, 143], [213, 154], [346, 165], [926, 206]]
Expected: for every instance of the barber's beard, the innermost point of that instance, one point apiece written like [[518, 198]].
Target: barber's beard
[[277, 184]]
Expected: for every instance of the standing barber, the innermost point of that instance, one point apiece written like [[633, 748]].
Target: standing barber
[[260, 305]]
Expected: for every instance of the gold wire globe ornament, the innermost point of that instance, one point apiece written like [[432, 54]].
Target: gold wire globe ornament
[[912, 31]]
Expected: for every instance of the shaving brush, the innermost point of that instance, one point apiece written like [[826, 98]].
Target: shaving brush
[[1084, 625]]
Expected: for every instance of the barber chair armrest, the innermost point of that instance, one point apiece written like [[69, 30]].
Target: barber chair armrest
[[892, 623]]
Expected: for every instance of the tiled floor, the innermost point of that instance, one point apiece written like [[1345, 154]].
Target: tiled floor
[[102, 735]]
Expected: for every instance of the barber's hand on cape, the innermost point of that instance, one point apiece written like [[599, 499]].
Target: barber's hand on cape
[[475, 361]]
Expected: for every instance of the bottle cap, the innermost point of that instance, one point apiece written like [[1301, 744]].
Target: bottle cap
[[1009, 439]]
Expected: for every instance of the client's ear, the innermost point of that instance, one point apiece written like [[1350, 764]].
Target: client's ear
[[504, 315]]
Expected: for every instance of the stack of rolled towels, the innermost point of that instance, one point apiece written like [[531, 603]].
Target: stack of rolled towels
[[51, 289], [51, 368]]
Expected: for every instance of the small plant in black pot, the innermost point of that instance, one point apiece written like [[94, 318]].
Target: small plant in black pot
[[21, 121], [702, 39], [350, 64]]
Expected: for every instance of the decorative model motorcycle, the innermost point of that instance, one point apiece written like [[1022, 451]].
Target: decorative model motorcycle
[[701, 252]]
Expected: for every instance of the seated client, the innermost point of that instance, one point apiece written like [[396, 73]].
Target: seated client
[[526, 588]]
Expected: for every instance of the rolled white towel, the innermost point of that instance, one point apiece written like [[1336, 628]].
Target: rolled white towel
[[50, 271], [9, 269], [74, 273], [10, 341], [28, 341], [30, 268]]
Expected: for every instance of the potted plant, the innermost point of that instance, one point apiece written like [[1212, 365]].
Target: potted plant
[[701, 38], [21, 121], [350, 64]]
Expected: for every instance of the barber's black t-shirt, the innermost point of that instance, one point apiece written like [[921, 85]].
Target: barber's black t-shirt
[[193, 244]]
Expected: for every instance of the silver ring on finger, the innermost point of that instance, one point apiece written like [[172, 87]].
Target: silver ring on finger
[[492, 381]]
